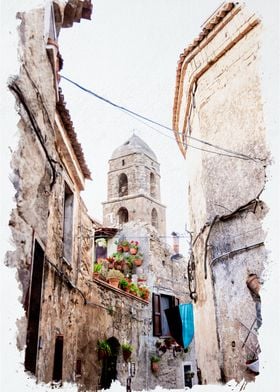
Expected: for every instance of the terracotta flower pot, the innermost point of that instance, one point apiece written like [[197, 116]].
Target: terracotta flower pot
[[101, 355], [125, 248], [138, 262], [133, 251], [114, 282], [119, 249], [96, 275], [155, 367], [126, 355]]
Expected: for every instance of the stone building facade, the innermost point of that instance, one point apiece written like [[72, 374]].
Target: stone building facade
[[218, 101], [52, 233], [165, 276], [67, 311], [134, 186]]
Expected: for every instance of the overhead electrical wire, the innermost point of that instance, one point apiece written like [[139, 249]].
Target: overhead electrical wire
[[232, 154], [185, 144]]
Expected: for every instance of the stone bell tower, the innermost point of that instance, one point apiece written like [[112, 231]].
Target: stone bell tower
[[134, 186]]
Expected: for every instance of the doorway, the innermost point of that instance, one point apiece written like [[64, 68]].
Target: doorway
[[109, 367], [188, 376], [34, 309]]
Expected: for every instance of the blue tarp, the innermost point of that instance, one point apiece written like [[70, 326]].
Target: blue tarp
[[186, 313]]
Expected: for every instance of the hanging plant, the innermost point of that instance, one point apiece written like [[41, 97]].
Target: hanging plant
[[103, 349], [126, 350], [133, 247], [138, 259], [155, 363], [125, 245]]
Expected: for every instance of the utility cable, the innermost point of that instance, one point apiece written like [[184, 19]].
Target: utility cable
[[124, 109], [185, 144]]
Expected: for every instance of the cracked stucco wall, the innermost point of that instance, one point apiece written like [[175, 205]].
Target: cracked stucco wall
[[227, 112]]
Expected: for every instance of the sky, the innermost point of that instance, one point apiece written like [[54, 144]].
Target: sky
[[128, 54]]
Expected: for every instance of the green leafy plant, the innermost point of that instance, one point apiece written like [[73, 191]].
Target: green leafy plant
[[104, 349], [144, 292], [134, 289], [113, 273], [124, 243], [127, 347], [97, 267], [123, 283], [126, 350], [155, 358], [118, 257]]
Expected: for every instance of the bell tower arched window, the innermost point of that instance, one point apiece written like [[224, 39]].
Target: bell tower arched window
[[152, 185], [123, 185], [154, 218], [122, 215]]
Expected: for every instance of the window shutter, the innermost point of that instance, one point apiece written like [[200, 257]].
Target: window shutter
[[175, 301], [156, 315]]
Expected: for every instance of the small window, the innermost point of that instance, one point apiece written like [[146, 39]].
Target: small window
[[100, 249], [123, 162], [78, 368], [68, 223], [161, 302], [154, 218], [152, 185], [58, 359], [122, 215], [123, 185]]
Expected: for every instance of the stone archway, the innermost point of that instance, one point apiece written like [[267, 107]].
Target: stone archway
[[109, 366]]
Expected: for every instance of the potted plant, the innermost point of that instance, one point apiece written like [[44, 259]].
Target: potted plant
[[118, 261], [114, 276], [126, 350], [96, 270], [144, 292], [155, 363], [110, 261], [133, 289], [128, 261], [168, 342], [125, 245], [103, 349], [119, 246], [138, 259], [123, 283], [133, 247]]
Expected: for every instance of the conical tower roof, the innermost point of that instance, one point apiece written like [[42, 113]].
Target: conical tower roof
[[134, 145]]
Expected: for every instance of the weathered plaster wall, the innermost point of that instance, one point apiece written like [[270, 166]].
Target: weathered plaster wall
[[227, 111]]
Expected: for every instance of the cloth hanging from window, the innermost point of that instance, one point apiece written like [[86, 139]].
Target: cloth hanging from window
[[181, 323], [186, 312]]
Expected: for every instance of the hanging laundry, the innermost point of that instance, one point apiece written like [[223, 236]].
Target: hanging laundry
[[181, 323]]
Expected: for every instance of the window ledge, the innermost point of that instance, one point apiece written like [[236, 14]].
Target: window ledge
[[119, 291]]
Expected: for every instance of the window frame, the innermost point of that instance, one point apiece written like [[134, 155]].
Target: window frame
[[69, 235], [157, 312]]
